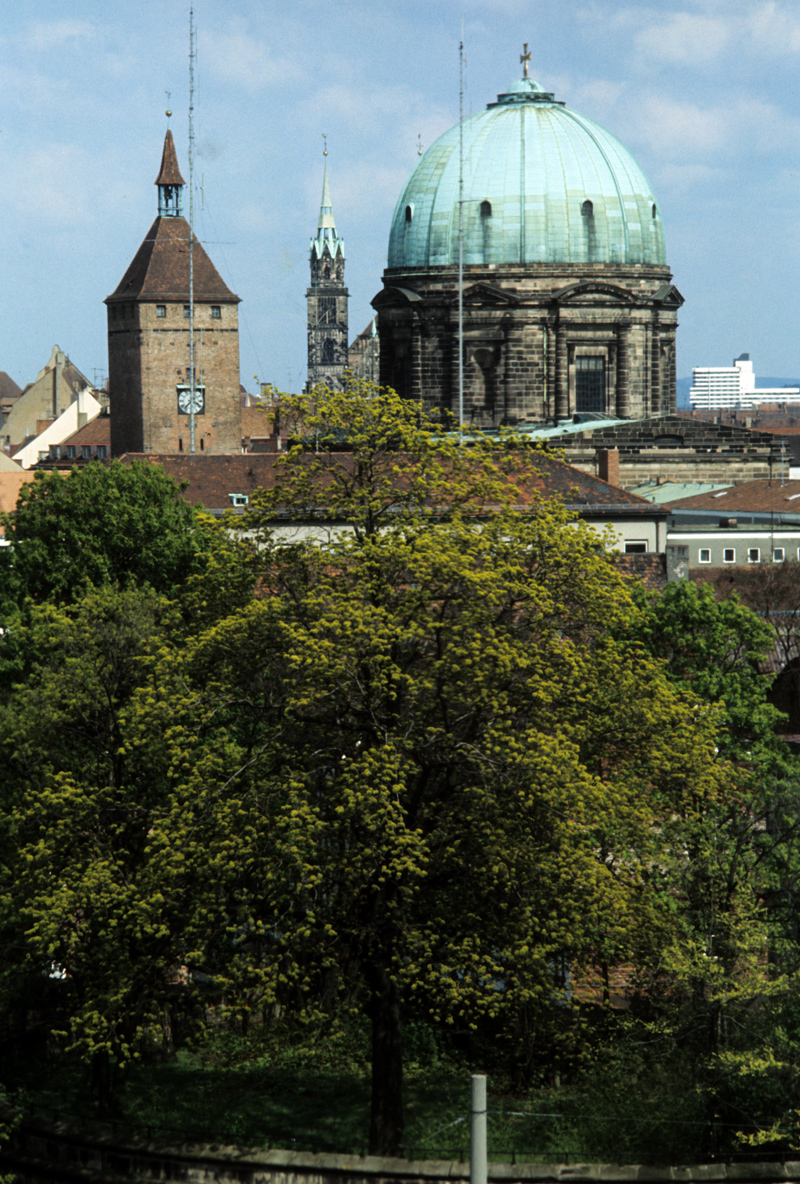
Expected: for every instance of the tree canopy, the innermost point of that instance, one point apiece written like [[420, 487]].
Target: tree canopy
[[445, 766]]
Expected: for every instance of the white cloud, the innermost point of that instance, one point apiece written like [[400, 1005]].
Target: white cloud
[[52, 183], [685, 39], [236, 57], [47, 35], [682, 129], [772, 29]]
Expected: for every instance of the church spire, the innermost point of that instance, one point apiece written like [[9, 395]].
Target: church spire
[[327, 300], [169, 181], [326, 226]]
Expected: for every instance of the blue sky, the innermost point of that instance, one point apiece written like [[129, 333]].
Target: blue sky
[[703, 93]]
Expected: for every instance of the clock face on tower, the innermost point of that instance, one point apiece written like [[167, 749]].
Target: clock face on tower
[[189, 400]]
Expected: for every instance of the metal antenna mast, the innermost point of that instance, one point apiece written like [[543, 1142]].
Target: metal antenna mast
[[461, 237], [192, 379]]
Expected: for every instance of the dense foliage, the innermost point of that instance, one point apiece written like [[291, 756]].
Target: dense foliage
[[432, 766]]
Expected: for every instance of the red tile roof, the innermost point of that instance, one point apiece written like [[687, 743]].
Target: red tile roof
[[97, 431], [212, 478], [764, 495], [160, 268]]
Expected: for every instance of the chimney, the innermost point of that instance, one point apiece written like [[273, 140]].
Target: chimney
[[608, 465]]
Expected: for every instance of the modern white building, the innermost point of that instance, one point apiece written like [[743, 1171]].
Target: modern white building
[[735, 386]]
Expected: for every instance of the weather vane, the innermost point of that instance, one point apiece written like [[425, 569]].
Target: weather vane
[[525, 57], [168, 113], [325, 138], [419, 145]]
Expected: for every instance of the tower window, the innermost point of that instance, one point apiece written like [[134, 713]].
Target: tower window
[[486, 209], [327, 350], [186, 310], [161, 310], [326, 310], [587, 209], [216, 312], [409, 213], [590, 384]]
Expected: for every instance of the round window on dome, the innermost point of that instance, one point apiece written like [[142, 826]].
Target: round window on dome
[[587, 209]]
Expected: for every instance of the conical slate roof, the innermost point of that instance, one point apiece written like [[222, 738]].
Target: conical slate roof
[[160, 268], [169, 173]]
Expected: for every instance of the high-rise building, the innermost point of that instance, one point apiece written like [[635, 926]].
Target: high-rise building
[[734, 386]]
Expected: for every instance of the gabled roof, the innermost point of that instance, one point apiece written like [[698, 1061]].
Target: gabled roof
[[97, 431], [169, 173], [160, 268], [757, 496], [213, 478]]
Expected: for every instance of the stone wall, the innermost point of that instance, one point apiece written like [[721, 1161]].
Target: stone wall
[[43, 1152]]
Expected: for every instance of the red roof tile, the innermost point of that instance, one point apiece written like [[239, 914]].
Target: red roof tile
[[160, 268]]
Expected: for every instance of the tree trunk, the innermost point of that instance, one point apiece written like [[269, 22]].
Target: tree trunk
[[386, 1117]]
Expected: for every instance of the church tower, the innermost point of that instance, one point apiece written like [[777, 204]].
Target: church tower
[[327, 300], [154, 403]]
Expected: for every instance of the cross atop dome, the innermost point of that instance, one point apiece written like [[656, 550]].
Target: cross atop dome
[[169, 181], [525, 58]]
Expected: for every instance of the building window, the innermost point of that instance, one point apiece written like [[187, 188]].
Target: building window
[[778, 555], [326, 310], [216, 312], [327, 350], [486, 209], [238, 499], [180, 445], [590, 384], [587, 209], [70, 452], [655, 211], [86, 451], [636, 547], [705, 555], [754, 555], [186, 310], [161, 310], [409, 213], [102, 451], [729, 555]]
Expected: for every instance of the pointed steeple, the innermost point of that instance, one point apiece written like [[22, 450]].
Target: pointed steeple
[[169, 181], [326, 226]]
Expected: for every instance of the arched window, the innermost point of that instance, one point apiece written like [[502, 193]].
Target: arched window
[[654, 209], [327, 350], [486, 209], [409, 213], [587, 209]]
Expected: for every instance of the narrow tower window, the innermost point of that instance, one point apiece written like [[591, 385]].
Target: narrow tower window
[[587, 209], [590, 384], [216, 312], [486, 209], [327, 350]]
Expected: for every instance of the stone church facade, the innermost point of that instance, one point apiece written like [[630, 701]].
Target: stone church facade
[[568, 303], [156, 404]]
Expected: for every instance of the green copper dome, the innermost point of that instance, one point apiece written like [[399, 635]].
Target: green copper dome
[[542, 184]]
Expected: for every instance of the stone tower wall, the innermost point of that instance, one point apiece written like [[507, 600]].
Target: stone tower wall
[[149, 358]]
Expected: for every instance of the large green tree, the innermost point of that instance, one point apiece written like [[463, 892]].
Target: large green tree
[[120, 524], [420, 771]]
